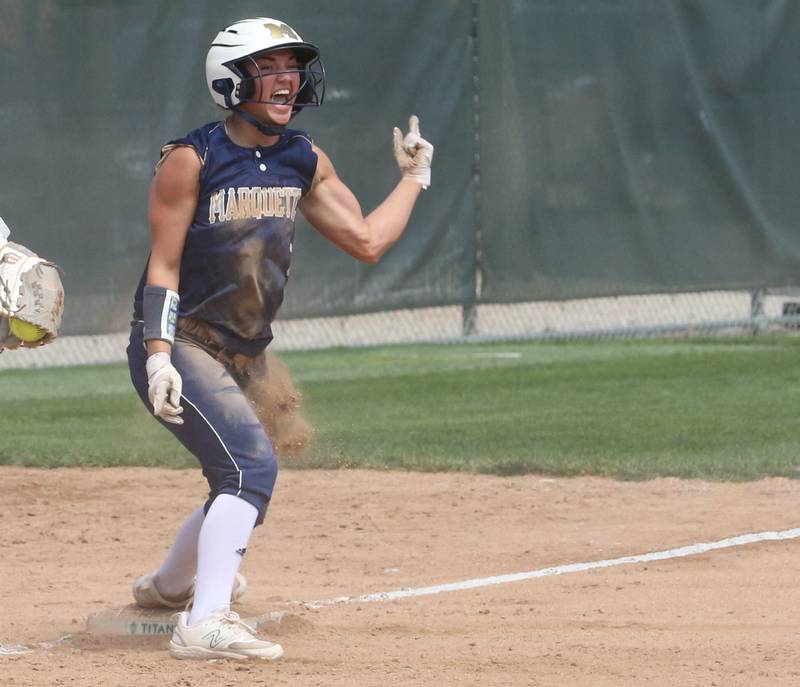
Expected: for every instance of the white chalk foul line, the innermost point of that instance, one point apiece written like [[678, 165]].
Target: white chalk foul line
[[20, 649], [14, 650], [690, 550]]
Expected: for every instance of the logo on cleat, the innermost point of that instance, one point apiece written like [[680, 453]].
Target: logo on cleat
[[214, 638]]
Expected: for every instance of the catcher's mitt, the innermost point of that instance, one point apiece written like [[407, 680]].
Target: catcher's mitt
[[30, 292]]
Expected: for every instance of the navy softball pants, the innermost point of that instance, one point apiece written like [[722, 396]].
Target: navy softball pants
[[219, 426]]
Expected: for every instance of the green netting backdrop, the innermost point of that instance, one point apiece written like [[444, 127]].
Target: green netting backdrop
[[582, 148], [632, 147]]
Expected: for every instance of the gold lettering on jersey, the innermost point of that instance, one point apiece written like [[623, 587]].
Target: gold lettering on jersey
[[253, 202], [243, 199], [278, 31], [216, 206], [232, 209], [279, 204]]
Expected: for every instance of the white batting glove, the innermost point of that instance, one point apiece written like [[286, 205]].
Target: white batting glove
[[413, 153], [164, 386]]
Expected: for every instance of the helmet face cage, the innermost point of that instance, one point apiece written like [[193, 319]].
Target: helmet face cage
[[312, 80], [232, 71]]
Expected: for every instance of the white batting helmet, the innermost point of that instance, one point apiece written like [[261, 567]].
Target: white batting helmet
[[230, 85]]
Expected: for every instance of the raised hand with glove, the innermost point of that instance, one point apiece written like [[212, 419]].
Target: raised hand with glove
[[413, 153]]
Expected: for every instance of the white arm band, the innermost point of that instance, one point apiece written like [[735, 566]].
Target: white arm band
[[160, 309]]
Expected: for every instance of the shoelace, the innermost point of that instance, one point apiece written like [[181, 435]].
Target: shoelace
[[233, 618]]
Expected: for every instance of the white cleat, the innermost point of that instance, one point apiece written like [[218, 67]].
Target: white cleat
[[147, 595], [220, 635]]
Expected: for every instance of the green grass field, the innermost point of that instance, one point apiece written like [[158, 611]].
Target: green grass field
[[716, 409]]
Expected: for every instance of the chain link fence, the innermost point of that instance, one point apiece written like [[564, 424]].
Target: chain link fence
[[713, 313]]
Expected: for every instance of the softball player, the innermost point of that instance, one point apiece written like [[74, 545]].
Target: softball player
[[221, 212]]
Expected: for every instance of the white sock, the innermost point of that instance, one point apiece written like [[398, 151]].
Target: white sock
[[177, 572], [220, 547]]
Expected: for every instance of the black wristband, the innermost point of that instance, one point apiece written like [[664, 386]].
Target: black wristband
[[160, 310]]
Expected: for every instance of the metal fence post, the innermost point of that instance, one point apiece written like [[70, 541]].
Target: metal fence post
[[469, 311], [756, 309]]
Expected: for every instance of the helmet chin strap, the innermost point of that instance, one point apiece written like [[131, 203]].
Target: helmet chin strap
[[266, 129]]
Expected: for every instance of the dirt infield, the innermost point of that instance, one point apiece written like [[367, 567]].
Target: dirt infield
[[73, 542]]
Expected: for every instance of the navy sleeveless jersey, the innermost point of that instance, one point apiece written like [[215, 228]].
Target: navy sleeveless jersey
[[235, 262]]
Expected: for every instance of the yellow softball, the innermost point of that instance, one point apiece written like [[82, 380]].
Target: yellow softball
[[26, 331]]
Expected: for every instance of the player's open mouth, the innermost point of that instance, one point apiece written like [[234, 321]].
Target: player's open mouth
[[282, 96]]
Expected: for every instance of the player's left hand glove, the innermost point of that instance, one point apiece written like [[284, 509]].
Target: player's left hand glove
[[164, 387], [413, 153], [31, 297]]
